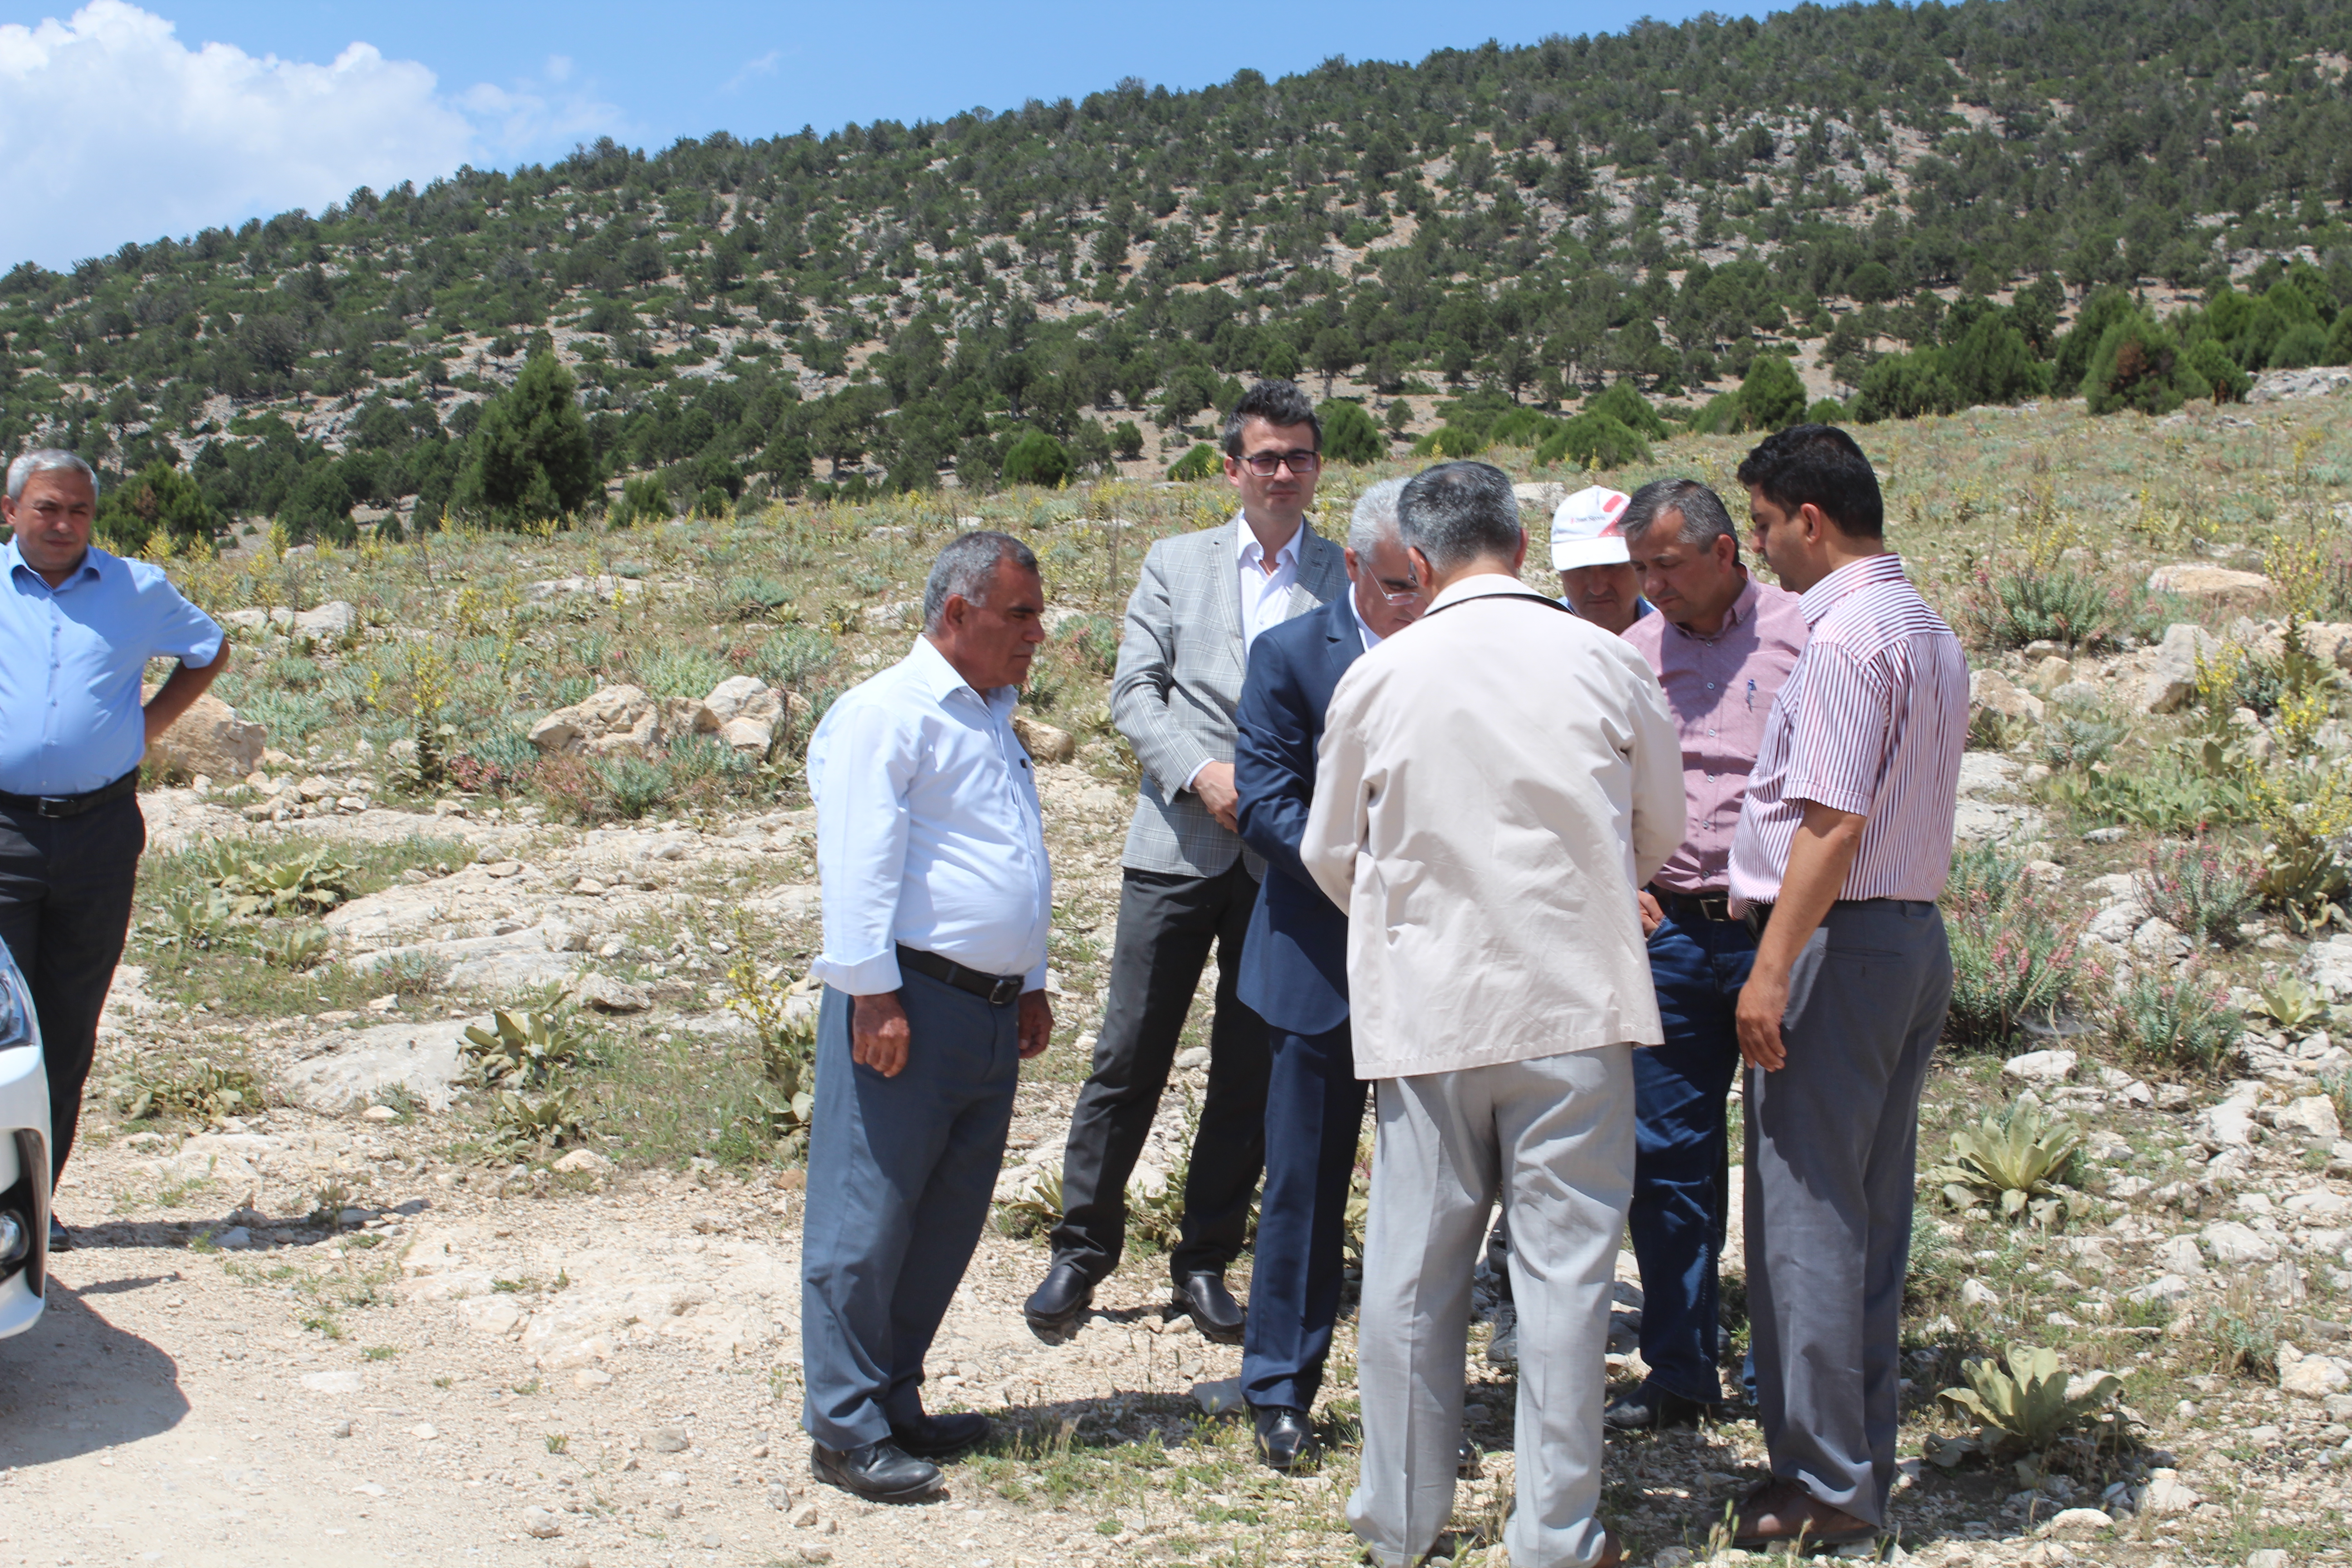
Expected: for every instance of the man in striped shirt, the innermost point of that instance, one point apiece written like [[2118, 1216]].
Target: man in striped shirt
[[1843, 843]]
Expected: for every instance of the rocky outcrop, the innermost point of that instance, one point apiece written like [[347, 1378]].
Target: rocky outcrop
[[1991, 689], [2209, 584], [2161, 679], [209, 739], [328, 622], [622, 720], [1043, 742]]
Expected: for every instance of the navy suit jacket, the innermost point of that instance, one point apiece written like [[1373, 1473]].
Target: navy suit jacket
[[1294, 970]]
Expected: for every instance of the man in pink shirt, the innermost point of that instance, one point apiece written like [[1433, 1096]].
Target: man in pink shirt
[[1721, 642], [1843, 843]]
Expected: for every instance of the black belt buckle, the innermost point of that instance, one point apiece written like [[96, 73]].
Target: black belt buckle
[[57, 806], [1004, 991]]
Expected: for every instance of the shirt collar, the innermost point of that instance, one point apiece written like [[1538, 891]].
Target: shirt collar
[[1249, 553], [938, 680], [87, 571], [1363, 627], [1818, 600], [1478, 585]]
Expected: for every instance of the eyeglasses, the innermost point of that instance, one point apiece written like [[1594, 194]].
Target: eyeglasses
[[1399, 593], [1300, 464]]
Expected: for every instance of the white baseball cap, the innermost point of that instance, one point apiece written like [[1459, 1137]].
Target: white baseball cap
[[1585, 532]]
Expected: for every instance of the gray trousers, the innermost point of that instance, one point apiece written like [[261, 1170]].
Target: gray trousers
[[1555, 1136], [1832, 1140], [901, 1174]]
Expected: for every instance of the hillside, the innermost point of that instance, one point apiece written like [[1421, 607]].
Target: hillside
[[1909, 203]]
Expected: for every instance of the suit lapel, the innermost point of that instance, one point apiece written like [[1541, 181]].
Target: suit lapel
[[1225, 587], [1322, 575]]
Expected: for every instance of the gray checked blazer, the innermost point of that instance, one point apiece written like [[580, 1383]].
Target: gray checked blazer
[[1180, 679]]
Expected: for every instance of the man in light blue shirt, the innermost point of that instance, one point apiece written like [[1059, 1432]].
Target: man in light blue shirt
[[77, 629], [938, 895]]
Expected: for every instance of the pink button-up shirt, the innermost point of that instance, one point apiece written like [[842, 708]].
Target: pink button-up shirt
[[1872, 720], [1721, 691]]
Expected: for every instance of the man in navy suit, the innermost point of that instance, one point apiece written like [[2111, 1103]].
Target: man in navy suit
[[1293, 974]]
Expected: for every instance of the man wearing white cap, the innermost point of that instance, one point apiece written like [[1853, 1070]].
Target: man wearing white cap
[[1587, 549]]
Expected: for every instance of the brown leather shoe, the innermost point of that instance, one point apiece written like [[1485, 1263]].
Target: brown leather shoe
[[1613, 1551], [1781, 1511]]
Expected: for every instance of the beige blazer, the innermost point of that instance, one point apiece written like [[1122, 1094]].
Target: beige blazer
[[1494, 784]]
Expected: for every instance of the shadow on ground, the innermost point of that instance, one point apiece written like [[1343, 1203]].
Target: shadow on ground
[[75, 1384]]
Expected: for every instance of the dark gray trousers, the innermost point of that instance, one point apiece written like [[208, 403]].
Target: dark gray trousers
[[1832, 1140], [65, 906], [901, 1174], [1166, 923]]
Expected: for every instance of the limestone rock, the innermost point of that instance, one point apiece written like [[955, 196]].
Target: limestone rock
[[607, 994], [2313, 1116], [2279, 385], [2168, 1494], [2233, 1245], [620, 720], [2209, 584], [208, 739], [583, 1160], [2312, 1376], [2041, 1067], [542, 1524], [351, 1068], [1990, 688], [332, 619], [2162, 679], [2180, 1255], [2163, 1288], [2328, 965], [746, 709], [2079, 1519], [1045, 742]]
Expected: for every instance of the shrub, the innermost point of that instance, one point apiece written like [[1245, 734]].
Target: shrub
[[1093, 642], [1828, 410], [1596, 440], [1624, 403], [756, 598], [1905, 386], [1771, 396], [289, 716], [2300, 346], [2013, 957], [789, 660], [2134, 368], [531, 457], [500, 763], [2199, 890], [2041, 604], [2072, 741], [634, 786], [1126, 440], [643, 500], [680, 671], [1348, 434], [2220, 373], [1038, 459], [1197, 464], [2180, 1021]]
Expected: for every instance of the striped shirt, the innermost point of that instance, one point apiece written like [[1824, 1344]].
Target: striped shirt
[[1872, 720]]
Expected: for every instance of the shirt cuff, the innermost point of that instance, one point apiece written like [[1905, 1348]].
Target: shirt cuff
[[867, 977], [1033, 981], [1195, 775]]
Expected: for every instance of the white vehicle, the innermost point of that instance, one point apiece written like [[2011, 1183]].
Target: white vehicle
[[23, 1157]]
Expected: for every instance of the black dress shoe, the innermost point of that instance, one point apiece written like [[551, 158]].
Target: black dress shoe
[[1284, 1441], [879, 1472], [941, 1436], [1214, 1311], [60, 1239], [1648, 1409], [1054, 1305]]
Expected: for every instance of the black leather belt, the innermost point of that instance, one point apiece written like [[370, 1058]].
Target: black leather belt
[[56, 806], [1715, 907], [997, 990]]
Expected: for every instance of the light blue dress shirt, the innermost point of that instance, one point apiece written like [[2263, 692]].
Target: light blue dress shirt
[[928, 831], [70, 662]]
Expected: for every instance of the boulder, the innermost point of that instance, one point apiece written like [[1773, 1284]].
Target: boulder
[[2234, 1245], [2312, 1376], [1990, 688], [2079, 1519], [332, 619], [2209, 584], [353, 1067], [620, 720], [1043, 742], [607, 994], [211, 740], [1538, 501], [2168, 1494], [746, 709], [2328, 965], [2041, 1067], [2279, 385], [2161, 679], [2313, 1116]]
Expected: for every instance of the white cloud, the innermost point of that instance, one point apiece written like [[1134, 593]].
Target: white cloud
[[113, 130], [765, 66]]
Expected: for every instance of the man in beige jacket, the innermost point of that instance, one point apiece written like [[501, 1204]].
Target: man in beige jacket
[[1493, 787]]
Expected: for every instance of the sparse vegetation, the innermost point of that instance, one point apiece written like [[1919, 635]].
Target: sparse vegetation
[[2016, 1163]]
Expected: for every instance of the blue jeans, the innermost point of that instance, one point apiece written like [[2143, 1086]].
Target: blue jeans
[[1682, 1160]]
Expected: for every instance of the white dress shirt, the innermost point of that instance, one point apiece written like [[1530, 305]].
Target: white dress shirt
[[1265, 593], [1489, 794], [928, 831], [1363, 627]]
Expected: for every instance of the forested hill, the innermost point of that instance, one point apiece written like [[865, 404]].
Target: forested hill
[[1907, 203]]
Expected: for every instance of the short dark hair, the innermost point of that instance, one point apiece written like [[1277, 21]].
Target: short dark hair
[[1276, 403], [1701, 509], [965, 568], [1456, 513], [1819, 464]]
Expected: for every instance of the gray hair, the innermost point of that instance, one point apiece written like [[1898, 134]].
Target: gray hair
[[1457, 512], [1703, 514], [46, 460], [1375, 517], [965, 568]]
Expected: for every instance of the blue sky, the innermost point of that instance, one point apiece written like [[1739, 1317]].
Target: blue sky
[[121, 120]]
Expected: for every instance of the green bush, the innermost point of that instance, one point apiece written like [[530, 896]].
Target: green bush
[[2177, 1022], [1348, 434], [2199, 891], [1771, 396], [531, 457], [1992, 365], [1624, 403], [500, 762], [1451, 441], [2301, 346], [2029, 605], [633, 786], [789, 660], [756, 598], [1905, 386], [643, 499], [158, 498], [1037, 460], [1828, 410], [1593, 440], [2134, 368], [2220, 373], [1197, 464], [2013, 952], [680, 671], [1126, 440]]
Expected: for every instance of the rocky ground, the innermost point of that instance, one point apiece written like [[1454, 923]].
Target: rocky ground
[[328, 1307]]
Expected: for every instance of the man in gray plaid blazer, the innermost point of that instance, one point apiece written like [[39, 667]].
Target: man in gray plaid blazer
[[1199, 603]]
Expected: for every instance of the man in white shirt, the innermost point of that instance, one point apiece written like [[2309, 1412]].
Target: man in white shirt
[[938, 895], [1186, 880], [1490, 791]]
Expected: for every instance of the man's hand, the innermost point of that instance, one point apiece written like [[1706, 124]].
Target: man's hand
[[1036, 1023], [1653, 916], [1762, 1001], [1214, 784], [175, 696], [878, 1035]]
